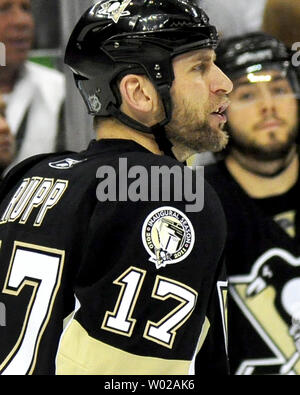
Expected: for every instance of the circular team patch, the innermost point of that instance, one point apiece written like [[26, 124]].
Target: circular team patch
[[168, 236]]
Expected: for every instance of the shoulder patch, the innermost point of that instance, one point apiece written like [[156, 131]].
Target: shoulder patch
[[168, 236]]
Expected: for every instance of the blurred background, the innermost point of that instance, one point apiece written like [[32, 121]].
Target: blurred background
[[54, 22], [47, 45]]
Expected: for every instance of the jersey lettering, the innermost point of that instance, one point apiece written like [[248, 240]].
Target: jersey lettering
[[41, 269], [33, 193], [163, 332]]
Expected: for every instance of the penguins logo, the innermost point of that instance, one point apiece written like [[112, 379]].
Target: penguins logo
[[168, 236], [269, 297], [112, 9]]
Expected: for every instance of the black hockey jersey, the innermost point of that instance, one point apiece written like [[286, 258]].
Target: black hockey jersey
[[146, 272], [263, 264]]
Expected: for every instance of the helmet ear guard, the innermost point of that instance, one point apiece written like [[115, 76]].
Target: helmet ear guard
[[99, 92], [158, 68], [114, 38]]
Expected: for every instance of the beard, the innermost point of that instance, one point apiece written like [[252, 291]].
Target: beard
[[185, 129], [276, 150]]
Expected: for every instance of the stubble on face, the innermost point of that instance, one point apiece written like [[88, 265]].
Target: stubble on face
[[276, 149], [191, 129]]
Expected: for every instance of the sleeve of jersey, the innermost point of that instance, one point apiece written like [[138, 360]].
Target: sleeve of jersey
[[144, 291]]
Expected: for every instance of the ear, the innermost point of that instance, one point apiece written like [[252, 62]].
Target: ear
[[138, 94]]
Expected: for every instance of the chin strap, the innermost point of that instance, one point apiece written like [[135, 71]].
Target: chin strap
[[163, 143], [157, 130]]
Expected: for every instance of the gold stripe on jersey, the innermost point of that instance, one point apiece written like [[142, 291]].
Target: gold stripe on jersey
[[205, 329], [80, 354]]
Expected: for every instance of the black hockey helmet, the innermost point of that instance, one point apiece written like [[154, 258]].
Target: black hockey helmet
[[254, 52], [114, 38]]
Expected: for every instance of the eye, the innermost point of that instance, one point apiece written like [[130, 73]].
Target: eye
[[26, 6], [246, 96], [202, 67], [5, 7], [280, 90]]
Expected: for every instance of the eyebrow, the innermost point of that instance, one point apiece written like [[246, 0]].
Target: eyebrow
[[204, 57]]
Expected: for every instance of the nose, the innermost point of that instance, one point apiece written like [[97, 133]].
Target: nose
[[20, 18], [266, 104], [220, 83]]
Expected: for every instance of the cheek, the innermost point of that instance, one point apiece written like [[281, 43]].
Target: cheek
[[239, 116], [182, 89], [191, 98], [3, 125], [3, 29], [288, 109], [200, 99]]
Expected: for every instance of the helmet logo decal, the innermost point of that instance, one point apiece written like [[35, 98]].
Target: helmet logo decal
[[94, 103], [168, 236], [113, 9]]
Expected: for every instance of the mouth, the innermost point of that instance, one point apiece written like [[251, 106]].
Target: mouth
[[5, 147], [20, 43], [220, 113], [6, 142], [270, 124]]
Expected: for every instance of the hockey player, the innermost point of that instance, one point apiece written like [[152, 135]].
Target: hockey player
[[259, 188], [146, 269]]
